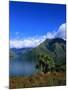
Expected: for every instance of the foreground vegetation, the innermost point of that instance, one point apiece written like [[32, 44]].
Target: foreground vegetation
[[50, 57], [39, 80]]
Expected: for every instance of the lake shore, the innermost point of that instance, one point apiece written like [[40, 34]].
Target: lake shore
[[38, 80]]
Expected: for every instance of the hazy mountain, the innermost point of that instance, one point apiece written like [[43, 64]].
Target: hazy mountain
[[17, 52]]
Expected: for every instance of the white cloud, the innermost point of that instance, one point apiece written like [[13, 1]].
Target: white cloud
[[61, 33], [36, 40], [50, 35], [28, 42]]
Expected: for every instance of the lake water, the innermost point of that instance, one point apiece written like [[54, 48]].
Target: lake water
[[22, 68]]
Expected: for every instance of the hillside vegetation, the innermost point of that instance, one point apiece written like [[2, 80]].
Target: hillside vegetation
[[50, 58]]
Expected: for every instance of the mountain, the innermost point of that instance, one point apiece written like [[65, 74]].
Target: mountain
[[53, 48], [17, 52], [20, 50]]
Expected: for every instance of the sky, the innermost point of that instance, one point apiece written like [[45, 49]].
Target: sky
[[32, 23]]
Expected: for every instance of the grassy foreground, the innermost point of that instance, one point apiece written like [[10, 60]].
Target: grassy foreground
[[38, 80]]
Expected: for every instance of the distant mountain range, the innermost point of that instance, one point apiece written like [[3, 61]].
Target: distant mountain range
[[54, 48], [17, 52]]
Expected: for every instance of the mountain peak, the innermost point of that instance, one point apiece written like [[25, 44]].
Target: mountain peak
[[54, 40]]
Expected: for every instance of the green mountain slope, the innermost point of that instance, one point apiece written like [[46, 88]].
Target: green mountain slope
[[55, 49], [51, 51]]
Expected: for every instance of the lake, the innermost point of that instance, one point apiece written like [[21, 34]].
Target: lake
[[22, 68]]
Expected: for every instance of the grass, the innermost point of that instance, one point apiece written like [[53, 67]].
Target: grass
[[38, 80]]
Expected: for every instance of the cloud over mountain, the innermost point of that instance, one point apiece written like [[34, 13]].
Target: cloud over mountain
[[27, 42], [34, 41], [61, 33]]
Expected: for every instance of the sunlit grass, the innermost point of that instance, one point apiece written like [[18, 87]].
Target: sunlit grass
[[39, 80]]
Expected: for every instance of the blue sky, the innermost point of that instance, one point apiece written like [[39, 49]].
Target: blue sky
[[34, 20]]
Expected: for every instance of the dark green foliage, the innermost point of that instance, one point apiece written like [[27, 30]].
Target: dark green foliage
[[45, 63]]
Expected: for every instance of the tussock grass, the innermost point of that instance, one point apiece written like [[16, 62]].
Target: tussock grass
[[39, 80]]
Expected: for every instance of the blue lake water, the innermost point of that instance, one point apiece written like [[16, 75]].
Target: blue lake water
[[22, 68]]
